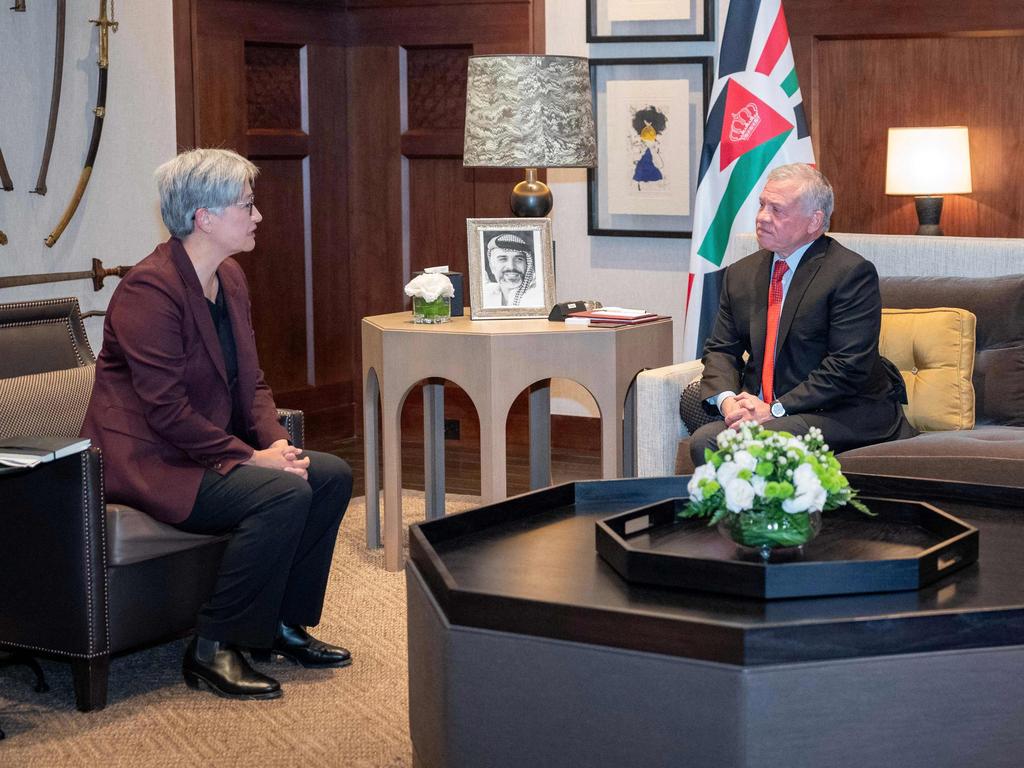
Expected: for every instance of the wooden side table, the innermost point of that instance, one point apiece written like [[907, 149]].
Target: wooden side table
[[493, 361]]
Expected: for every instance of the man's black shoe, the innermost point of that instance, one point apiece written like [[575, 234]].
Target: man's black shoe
[[225, 671], [296, 644]]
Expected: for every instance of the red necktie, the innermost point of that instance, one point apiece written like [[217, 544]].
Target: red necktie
[[772, 335]]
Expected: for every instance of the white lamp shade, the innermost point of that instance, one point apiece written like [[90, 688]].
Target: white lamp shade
[[928, 161], [525, 111]]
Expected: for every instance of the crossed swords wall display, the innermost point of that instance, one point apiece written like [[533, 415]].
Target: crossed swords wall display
[[105, 25]]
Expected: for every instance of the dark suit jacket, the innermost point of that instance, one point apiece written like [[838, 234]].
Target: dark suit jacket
[[161, 406], [827, 351]]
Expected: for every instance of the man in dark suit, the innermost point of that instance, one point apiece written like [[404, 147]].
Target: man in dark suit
[[806, 313]]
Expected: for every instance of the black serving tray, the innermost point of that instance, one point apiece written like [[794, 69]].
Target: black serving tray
[[907, 545]]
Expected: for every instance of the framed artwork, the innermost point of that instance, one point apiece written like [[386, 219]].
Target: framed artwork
[[627, 21], [650, 116], [511, 268]]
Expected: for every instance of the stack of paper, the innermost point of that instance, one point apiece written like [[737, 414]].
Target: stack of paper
[[617, 315], [30, 451]]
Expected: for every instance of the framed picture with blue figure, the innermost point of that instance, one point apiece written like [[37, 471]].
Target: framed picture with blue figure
[[511, 268], [650, 116]]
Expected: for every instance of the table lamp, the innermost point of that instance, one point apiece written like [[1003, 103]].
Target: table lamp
[[928, 163], [531, 112]]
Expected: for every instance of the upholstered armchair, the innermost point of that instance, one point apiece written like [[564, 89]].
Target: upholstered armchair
[[80, 579]]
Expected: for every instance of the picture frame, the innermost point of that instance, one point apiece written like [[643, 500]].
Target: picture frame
[[516, 246], [632, 21], [648, 163]]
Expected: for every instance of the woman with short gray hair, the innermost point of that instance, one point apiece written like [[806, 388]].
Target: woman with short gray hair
[[190, 434]]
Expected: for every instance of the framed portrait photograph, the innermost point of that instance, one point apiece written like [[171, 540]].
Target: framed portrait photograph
[[650, 116], [626, 21], [511, 268]]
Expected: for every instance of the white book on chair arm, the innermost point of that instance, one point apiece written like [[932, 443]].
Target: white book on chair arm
[[31, 451]]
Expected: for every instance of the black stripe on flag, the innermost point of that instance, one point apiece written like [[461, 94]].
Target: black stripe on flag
[[711, 290], [736, 37], [712, 134], [801, 121]]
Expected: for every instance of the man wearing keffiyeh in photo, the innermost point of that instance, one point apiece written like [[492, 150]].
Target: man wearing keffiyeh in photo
[[511, 272]]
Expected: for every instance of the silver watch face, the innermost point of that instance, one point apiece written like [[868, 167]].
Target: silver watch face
[[777, 410]]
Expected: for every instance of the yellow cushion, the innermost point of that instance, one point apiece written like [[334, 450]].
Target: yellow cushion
[[934, 350]]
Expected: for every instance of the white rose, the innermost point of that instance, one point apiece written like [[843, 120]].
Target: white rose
[[805, 479], [812, 500], [744, 460], [727, 472], [796, 504], [759, 484], [703, 472], [739, 495]]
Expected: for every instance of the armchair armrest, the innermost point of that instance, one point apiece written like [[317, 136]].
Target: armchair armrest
[[659, 427], [53, 558], [295, 422]]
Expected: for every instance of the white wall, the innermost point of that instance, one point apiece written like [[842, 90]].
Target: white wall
[[118, 220], [648, 273]]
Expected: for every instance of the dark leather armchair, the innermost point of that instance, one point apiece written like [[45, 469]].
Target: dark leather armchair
[[80, 579]]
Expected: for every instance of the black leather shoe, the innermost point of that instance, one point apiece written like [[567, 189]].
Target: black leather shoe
[[297, 645], [225, 671]]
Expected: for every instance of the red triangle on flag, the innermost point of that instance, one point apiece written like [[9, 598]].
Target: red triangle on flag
[[748, 123]]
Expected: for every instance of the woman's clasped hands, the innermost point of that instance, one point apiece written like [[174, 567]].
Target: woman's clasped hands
[[281, 455]]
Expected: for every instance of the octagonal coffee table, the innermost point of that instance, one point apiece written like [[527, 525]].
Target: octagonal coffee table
[[527, 648]]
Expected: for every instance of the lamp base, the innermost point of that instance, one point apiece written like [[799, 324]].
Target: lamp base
[[929, 211], [531, 197]]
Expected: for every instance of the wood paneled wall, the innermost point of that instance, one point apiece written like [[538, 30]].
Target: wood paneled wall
[[868, 65], [365, 61]]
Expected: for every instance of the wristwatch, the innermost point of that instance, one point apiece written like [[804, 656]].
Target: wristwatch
[[777, 409]]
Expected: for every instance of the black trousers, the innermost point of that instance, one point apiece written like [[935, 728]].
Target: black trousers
[[843, 428], [276, 564]]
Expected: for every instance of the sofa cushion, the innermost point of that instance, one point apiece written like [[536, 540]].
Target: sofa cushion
[[51, 403], [133, 536], [934, 350], [998, 304], [993, 455]]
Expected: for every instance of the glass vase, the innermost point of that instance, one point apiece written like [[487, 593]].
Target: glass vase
[[770, 537], [437, 311]]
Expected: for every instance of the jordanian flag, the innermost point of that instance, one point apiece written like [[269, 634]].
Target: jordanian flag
[[756, 122]]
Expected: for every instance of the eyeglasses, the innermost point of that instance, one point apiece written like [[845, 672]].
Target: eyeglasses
[[248, 204]]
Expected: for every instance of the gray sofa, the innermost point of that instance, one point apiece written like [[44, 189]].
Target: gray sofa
[[982, 275]]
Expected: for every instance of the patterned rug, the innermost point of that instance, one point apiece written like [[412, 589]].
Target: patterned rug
[[357, 716]]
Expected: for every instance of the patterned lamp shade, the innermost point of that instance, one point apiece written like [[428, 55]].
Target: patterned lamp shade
[[529, 112]]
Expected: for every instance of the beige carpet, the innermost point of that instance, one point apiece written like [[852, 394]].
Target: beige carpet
[[357, 716]]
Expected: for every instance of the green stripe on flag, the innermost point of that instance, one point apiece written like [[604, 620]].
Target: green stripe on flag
[[789, 85], [748, 170]]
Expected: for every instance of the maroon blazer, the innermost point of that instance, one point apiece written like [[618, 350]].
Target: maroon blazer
[[161, 406]]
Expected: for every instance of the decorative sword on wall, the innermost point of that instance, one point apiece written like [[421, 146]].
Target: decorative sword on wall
[[97, 274], [7, 185], [58, 76], [105, 24], [5, 177]]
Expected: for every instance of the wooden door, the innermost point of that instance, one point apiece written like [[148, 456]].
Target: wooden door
[[269, 80]]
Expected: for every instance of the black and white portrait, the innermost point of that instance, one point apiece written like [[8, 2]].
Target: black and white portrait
[[510, 267]]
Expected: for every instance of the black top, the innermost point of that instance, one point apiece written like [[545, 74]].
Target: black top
[[222, 322]]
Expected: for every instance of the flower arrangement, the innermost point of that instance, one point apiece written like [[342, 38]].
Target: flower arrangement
[[768, 489], [431, 295]]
